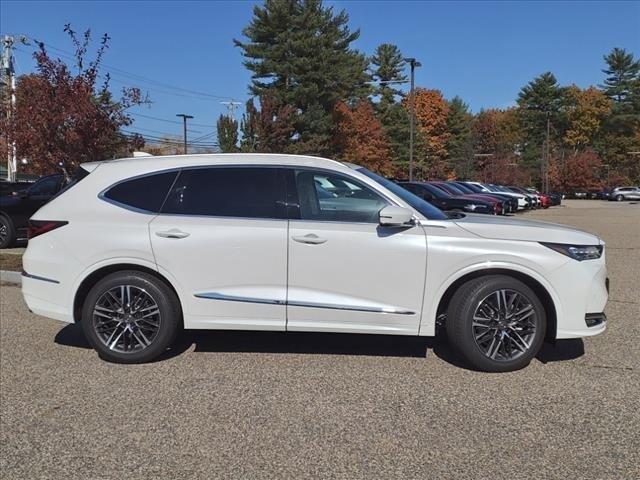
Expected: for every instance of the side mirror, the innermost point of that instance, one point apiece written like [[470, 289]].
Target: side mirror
[[393, 216]]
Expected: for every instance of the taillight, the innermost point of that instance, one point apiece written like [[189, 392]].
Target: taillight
[[38, 227]]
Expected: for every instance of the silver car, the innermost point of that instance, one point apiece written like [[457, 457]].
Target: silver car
[[620, 194]]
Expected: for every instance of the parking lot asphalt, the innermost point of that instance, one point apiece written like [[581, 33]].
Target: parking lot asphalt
[[276, 405]]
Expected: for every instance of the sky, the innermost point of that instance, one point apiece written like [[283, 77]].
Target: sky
[[483, 52]]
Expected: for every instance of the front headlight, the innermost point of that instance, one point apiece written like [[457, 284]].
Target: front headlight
[[577, 252]]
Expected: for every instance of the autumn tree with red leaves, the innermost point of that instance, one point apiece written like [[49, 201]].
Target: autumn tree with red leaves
[[62, 118], [360, 137], [270, 129]]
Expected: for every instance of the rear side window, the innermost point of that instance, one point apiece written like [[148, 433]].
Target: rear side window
[[144, 193], [248, 192]]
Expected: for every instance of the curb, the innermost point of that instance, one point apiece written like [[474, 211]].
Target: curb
[[11, 277]]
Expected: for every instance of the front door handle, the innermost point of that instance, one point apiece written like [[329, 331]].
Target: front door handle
[[173, 233], [310, 239]]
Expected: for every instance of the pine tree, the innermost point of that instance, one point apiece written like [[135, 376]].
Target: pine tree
[[460, 145], [387, 71], [227, 134], [299, 51], [623, 75]]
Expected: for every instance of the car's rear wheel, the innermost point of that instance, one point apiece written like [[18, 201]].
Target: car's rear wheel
[[619, 198], [130, 317], [497, 323], [7, 232]]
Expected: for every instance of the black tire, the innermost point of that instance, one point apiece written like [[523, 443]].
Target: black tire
[[460, 324], [131, 323], [619, 198], [7, 232]]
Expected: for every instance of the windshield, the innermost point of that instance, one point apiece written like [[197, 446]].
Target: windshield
[[426, 209]]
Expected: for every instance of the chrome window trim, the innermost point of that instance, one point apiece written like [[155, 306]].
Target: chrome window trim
[[37, 277], [376, 188], [330, 306]]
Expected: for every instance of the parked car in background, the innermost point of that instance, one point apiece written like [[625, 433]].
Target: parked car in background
[[524, 201], [512, 203], [454, 190], [15, 209], [620, 194], [447, 202], [11, 188], [137, 250]]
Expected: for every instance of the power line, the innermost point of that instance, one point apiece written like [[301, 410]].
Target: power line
[[138, 77]]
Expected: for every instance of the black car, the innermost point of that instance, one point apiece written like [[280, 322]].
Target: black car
[[444, 201], [17, 208]]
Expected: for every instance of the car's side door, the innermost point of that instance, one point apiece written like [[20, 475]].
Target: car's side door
[[346, 272], [222, 237]]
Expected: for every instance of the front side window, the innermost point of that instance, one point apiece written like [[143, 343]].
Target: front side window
[[143, 193], [332, 197], [248, 192]]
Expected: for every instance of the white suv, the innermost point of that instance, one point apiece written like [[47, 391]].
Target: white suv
[[139, 248]]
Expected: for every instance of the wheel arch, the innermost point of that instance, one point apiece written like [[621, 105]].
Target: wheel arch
[[539, 289], [95, 276]]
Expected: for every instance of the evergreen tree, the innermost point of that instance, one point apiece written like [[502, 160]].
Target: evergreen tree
[[227, 134], [388, 71], [300, 52], [248, 127], [539, 100], [459, 145], [623, 75]]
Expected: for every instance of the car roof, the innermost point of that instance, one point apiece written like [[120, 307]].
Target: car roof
[[194, 160]]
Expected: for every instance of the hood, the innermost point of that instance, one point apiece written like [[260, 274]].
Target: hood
[[509, 228]]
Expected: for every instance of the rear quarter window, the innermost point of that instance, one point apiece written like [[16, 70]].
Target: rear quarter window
[[145, 193]]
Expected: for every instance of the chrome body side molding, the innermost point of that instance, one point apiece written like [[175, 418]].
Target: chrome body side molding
[[331, 306]]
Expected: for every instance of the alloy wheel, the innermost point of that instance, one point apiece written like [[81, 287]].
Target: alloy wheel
[[4, 233], [126, 319], [504, 325]]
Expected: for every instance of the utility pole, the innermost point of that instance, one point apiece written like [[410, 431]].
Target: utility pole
[[546, 158], [9, 83], [231, 108], [184, 123], [412, 107]]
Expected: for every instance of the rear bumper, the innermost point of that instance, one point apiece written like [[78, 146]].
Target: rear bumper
[[41, 296]]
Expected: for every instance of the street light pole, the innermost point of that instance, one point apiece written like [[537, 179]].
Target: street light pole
[[184, 123], [413, 63]]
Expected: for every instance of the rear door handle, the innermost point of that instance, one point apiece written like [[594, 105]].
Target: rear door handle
[[310, 239], [173, 233]]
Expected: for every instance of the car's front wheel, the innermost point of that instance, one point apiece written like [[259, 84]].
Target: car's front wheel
[[7, 232], [497, 323], [130, 317], [619, 198]]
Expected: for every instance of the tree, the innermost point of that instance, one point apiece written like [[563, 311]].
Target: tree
[[227, 129], [269, 129], [388, 71], [431, 114], [585, 111], [361, 138], [431, 110], [623, 75], [460, 143], [62, 119], [581, 170], [299, 51]]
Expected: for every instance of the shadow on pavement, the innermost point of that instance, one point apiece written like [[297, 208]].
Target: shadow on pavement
[[321, 344], [562, 350]]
